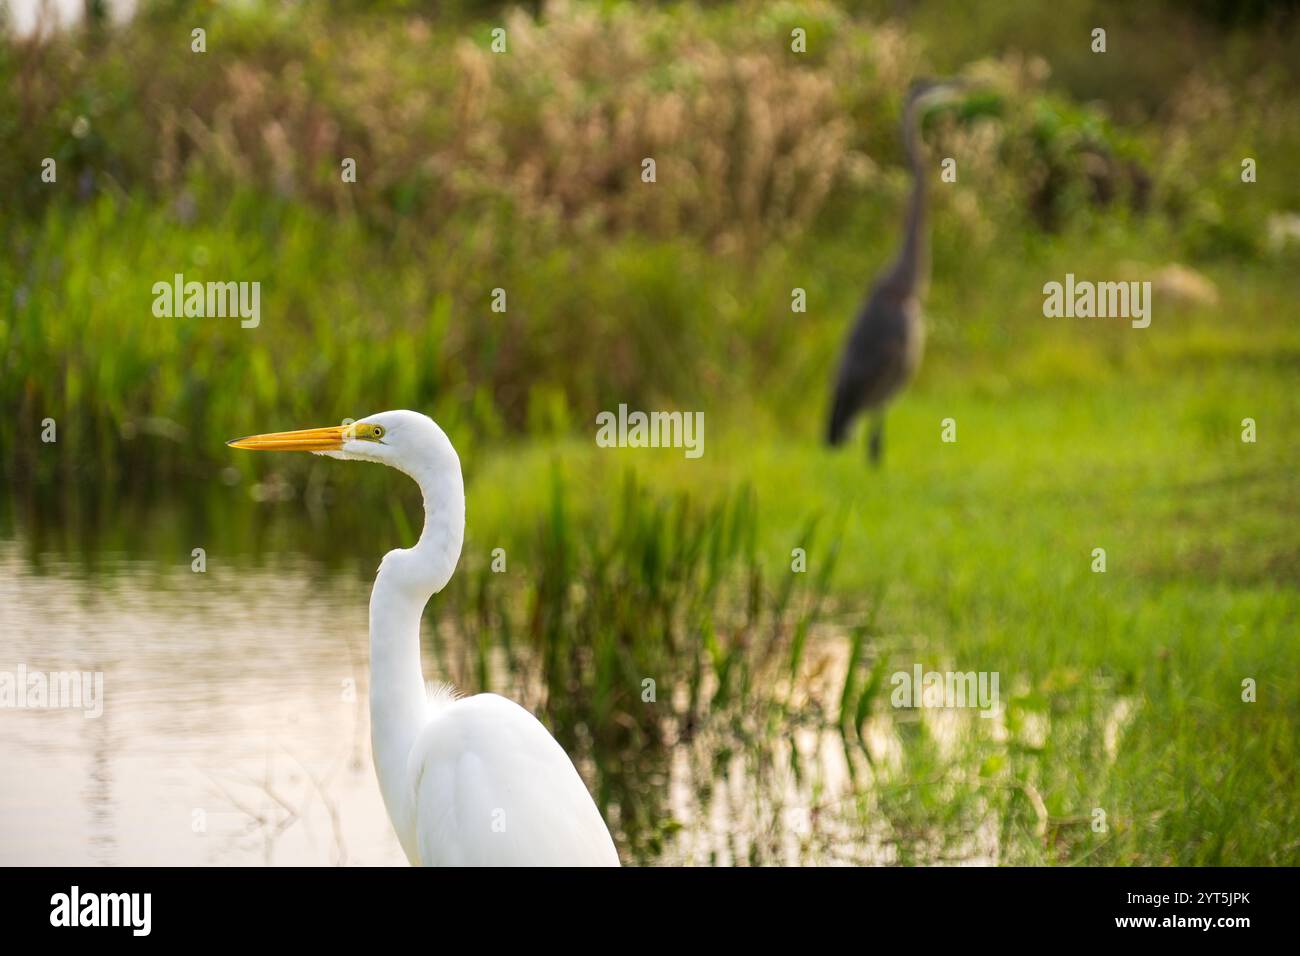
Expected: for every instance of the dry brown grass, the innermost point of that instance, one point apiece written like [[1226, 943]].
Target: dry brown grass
[[749, 138]]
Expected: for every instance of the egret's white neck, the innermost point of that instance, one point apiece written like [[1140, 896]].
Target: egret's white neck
[[406, 580]]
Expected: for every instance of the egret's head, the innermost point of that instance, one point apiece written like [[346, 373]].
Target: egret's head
[[408, 441]]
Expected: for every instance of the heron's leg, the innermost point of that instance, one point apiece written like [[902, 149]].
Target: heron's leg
[[876, 439]]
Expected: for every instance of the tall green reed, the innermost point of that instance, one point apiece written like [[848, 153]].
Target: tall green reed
[[643, 627]]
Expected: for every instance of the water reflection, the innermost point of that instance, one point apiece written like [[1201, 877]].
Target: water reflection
[[234, 728]]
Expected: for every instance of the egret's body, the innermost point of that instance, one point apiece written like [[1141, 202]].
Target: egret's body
[[474, 781]]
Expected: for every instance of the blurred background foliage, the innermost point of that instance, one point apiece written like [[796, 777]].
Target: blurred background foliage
[[521, 171]]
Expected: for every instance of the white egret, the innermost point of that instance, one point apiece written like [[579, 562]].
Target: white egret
[[474, 781]]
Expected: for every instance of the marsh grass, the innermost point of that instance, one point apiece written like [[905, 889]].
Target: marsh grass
[[644, 632]]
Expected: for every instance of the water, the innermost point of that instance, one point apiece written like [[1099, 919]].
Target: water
[[234, 727]]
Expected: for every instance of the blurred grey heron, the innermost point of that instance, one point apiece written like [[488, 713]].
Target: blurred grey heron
[[884, 346]]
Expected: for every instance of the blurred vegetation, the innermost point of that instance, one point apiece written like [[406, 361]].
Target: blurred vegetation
[[775, 170], [521, 171]]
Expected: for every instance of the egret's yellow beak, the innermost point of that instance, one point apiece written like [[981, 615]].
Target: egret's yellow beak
[[307, 439]]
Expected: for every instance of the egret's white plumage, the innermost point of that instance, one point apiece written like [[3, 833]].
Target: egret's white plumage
[[473, 781]]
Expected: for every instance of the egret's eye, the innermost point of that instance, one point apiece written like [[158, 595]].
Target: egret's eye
[[378, 431]]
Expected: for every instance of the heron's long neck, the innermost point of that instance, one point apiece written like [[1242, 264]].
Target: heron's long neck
[[406, 581], [912, 266]]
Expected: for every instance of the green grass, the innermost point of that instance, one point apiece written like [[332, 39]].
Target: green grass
[[981, 552]]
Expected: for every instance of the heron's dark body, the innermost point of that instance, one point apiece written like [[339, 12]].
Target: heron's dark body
[[882, 354], [884, 346]]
